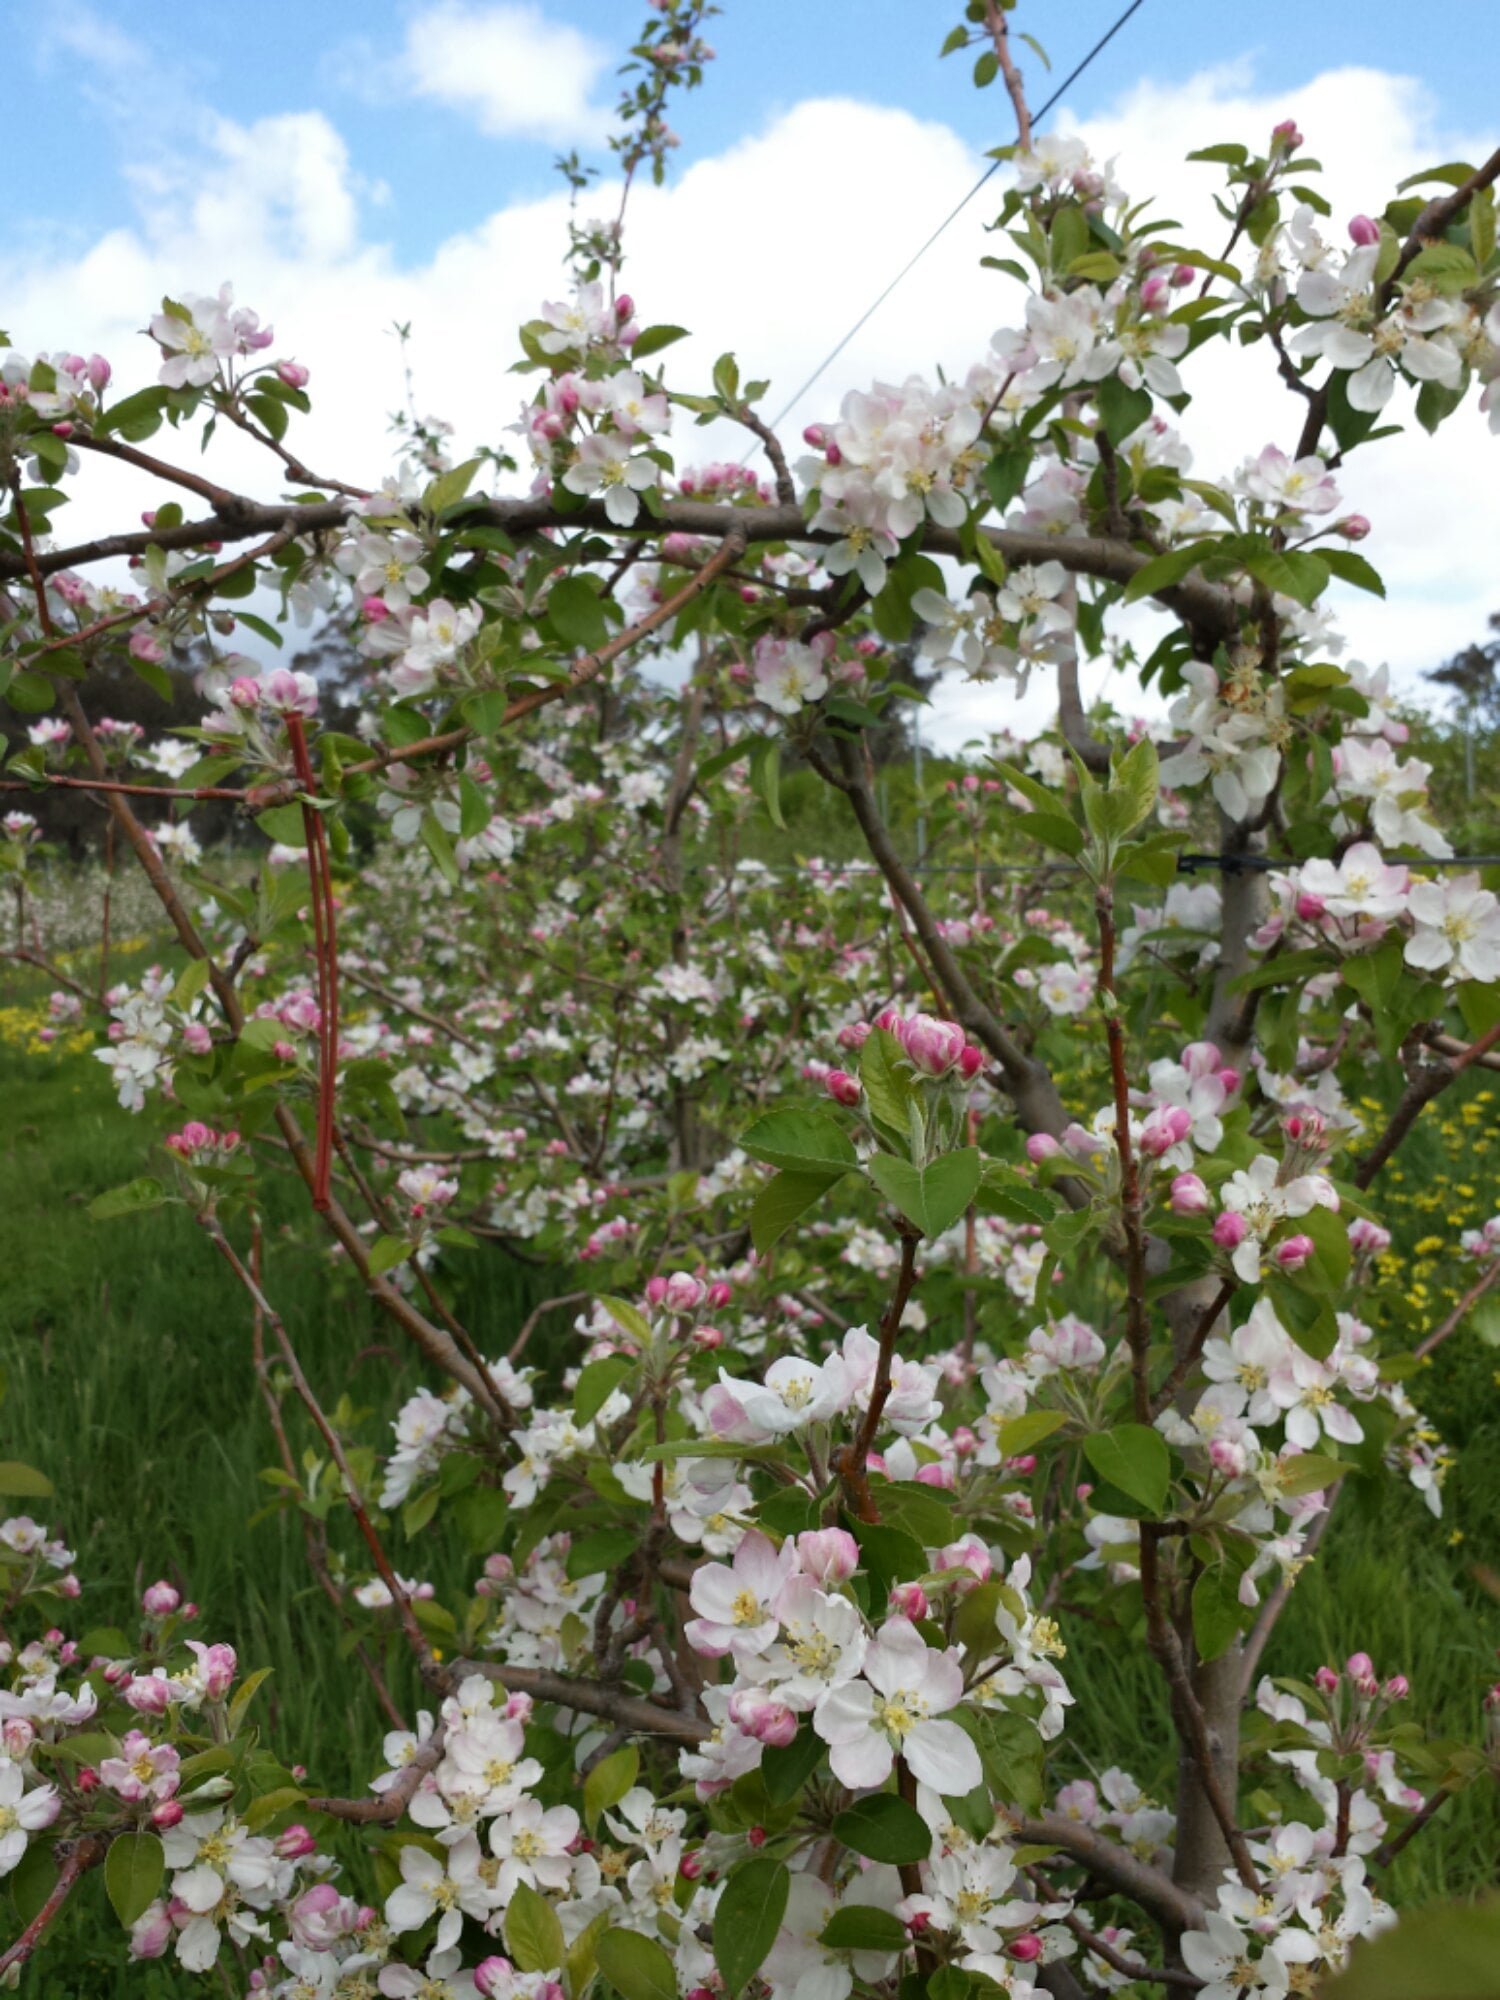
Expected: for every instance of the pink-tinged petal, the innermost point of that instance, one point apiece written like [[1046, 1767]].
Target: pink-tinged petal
[[864, 1762]]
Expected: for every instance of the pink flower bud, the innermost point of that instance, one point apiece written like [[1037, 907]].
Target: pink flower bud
[[160, 1599], [1230, 1229], [166, 1813], [930, 1045], [1042, 1146], [1285, 136], [88, 1779], [1353, 527], [1368, 1237], [970, 1062], [707, 1337], [149, 1694], [99, 372], [1166, 1127], [909, 1600], [684, 1293], [829, 1554], [1189, 1195], [756, 1837], [1364, 230], [853, 1035], [1026, 1949], [841, 1087], [294, 1842], [1155, 292], [62, 430], [624, 306], [816, 436], [1229, 1456], [1294, 1252], [1310, 908], [690, 1867], [718, 1295], [1397, 1688], [492, 1976], [1326, 1680], [294, 374], [375, 610], [197, 1039], [1359, 1666], [656, 1291], [1230, 1078]]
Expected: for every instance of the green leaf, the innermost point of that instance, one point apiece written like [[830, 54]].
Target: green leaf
[[244, 1694], [1011, 1751], [1005, 473], [786, 1769], [765, 776], [1448, 1951], [802, 1140], [597, 1382], [1121, 410], [283, 824], [931, 1197], [884, 1828], [23, 1482], [1134, 786], [1217, 1611], [1350, 568], [888, 1083], [1135, 1458], [782, 1200], [135, 417], [439, 844], [1308, 1472], [450, 487], [387, 1252], [747, 1918], [862, 1927], [1164, 571], [576, 613], [1018, 1435], [534, 1934], [134, 1869], [1005, 1192], [636, 1966], [654, 338], [609, 1781], [601, 1552], [136, 1195]]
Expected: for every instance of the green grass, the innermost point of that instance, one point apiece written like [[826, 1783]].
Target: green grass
[[125, 1348], [128, 1380]]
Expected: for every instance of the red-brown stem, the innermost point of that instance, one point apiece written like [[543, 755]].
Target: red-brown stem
[[314, 1534], [28, 556], [1161, 1633], [1194, 1348], [1387, 1851], [1137, 1333], [325, 947], [994, 21], [415, 1636], [1133, 1969], [60, 783], [1461, 1311], [851, 1463], [81, 1856], [388, 1806], [1427, 1081]]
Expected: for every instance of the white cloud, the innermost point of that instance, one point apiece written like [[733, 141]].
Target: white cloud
[[517, 73], [765, 249]]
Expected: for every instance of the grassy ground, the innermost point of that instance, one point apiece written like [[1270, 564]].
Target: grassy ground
[[128, 1380]]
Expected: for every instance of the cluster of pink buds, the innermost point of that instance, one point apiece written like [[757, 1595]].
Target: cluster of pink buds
[[200, 1145], [933, 1047], [1356, 1695]]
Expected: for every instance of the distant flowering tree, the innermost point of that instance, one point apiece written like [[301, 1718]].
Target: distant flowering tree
[[953, 1258]]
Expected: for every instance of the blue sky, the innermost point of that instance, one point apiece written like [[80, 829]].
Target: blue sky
[[351, 166], [437, 173]]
